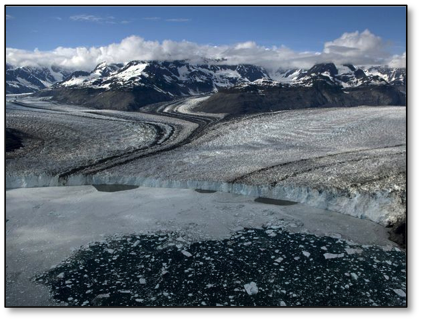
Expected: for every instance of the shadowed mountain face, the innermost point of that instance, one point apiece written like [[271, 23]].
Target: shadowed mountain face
[[324, 85], [255, 99], [31, 79]]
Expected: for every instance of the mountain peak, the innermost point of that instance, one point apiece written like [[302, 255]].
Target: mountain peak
[[322, 68]]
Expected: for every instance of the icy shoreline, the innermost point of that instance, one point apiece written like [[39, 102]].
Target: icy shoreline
[[381, 207]]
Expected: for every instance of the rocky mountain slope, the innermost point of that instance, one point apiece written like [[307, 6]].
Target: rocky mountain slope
[[270, 96], [323, 85], [177, 78], [139, 83], [343, 75], [135, 84], [31, 79]]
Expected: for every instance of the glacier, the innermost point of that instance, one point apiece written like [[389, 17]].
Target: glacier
[[348, 160]]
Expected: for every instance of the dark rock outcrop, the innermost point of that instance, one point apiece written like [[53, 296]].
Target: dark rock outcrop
[[238, 101], [13, 140]]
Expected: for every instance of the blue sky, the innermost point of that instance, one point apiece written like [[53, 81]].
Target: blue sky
[[299, 28], [272, 37]]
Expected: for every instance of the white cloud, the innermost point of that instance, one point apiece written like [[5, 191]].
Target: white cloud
[[397, 61], [8, 16], [92, 18], [178, 20], [357, 48]]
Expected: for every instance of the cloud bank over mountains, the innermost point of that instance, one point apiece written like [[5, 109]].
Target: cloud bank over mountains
[[360, 48]]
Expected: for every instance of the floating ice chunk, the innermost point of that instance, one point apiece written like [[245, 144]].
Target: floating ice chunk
[[279, 259], [336, 235], [109, 251], [251, 288], [354, 276], [125, 291], [324, 248], [270, 233], [142, 281], [305, 253], [283, 304], [188, 254], [353, 251], [61, 275], [98, 298], [400, 292], [333, 256]]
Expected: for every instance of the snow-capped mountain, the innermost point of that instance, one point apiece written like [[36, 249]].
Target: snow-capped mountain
[[180, 78], [323, 85], [135, 84], [31, 79], [344, 76], [139, 83], [177, 78], [394, 76]]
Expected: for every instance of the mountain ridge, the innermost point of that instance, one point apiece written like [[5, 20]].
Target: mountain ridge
[[138, 83], [31, 79]]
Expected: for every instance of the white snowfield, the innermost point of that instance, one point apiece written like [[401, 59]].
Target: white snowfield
[[350, 160]]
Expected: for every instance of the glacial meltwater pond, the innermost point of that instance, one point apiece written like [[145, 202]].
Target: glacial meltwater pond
[[274, 202], [114, 187], [174, 247]]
